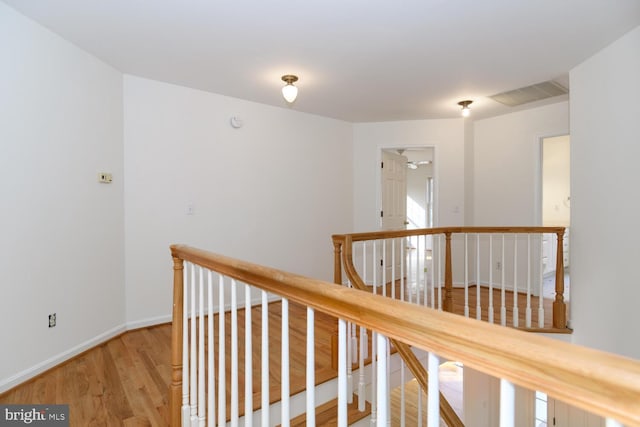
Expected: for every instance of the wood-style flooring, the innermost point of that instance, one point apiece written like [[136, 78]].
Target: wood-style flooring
[[124, 382]]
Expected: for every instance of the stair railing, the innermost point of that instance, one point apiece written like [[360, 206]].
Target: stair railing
[[597, 382], [500, 270]]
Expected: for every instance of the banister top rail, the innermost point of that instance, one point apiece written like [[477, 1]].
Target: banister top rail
[[388, 234], [599, 382]]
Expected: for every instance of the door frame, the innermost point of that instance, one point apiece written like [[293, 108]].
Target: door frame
[[378, 177]]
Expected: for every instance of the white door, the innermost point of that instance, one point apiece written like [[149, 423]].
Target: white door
[[393, 214]]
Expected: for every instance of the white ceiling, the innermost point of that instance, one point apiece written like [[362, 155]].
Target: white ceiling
[[358, 60]]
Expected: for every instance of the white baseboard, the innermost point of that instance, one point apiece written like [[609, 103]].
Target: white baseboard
[[151, 321], [27, 374]]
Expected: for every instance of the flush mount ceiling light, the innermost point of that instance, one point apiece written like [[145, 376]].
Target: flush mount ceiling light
[[465, 108], [289, 91]]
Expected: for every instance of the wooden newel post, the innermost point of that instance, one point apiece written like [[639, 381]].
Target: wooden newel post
[[447, 304], [337, 261], [559, 306], [175, 389]]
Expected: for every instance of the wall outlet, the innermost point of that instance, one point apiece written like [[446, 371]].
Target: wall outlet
[[52, 320], [498, 265], [105, 178]]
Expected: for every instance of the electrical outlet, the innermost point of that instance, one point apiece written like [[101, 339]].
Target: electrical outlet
[[498, 265], [52, 320]]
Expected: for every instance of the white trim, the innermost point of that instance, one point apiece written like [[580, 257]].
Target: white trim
[[27, 374], [45, 365], [151, 321]]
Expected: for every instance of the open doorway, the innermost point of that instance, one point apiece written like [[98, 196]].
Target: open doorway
[[407, 188], [556, 207], [408, 201]]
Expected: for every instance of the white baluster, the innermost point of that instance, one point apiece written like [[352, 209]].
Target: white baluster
[[516, 312], [264, 359], [222, 370], [354, 343], [410, 271], [234, 354], [364, 262], [361, 357], [186, 409], [466, 275], [541, 290], [507, 404], [490, 308], [193, 392], [374, 379], [419, 268], [211, 378], [248, 359], [528, 310], [350, 356], [403, 257], [201, 396], [311, 370], [425, 270], [393, 268], [434, 266], [284, 378], [375, 267], [403, 383], [503, 305], [440, 258], [433, 395], [342, 373], [478, 307], [383, 265], [383, 385]]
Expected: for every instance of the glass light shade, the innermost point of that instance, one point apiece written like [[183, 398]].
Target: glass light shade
[[290, 92], [466, 111]]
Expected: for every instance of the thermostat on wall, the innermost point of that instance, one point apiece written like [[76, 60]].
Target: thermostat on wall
[[236, 122]]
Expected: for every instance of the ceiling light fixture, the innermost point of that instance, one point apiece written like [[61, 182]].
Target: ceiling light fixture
[[289, 91], [465, 108]]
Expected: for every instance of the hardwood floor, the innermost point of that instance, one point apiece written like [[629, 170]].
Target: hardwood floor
[[124, 382]]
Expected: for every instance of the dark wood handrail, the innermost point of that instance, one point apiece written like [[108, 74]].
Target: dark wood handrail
[[559, 322], [599, 382]]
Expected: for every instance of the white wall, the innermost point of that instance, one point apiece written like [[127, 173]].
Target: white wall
[[62, 231], [605, 207], [271, 192], [507, 164], [447, 136]]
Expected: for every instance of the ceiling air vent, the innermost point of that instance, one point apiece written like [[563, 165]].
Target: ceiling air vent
[[527, 94]]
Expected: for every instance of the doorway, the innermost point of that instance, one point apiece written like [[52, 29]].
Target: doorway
[[408, 201], [556, 207]]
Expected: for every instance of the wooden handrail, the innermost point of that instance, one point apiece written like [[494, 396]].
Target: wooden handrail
[[559, 322], [602, 383], [389, 234]]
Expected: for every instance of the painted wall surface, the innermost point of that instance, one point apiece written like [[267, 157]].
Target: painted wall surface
[[447, 136], [272, 192], [605, 132], [62, 231], [507, 164]]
